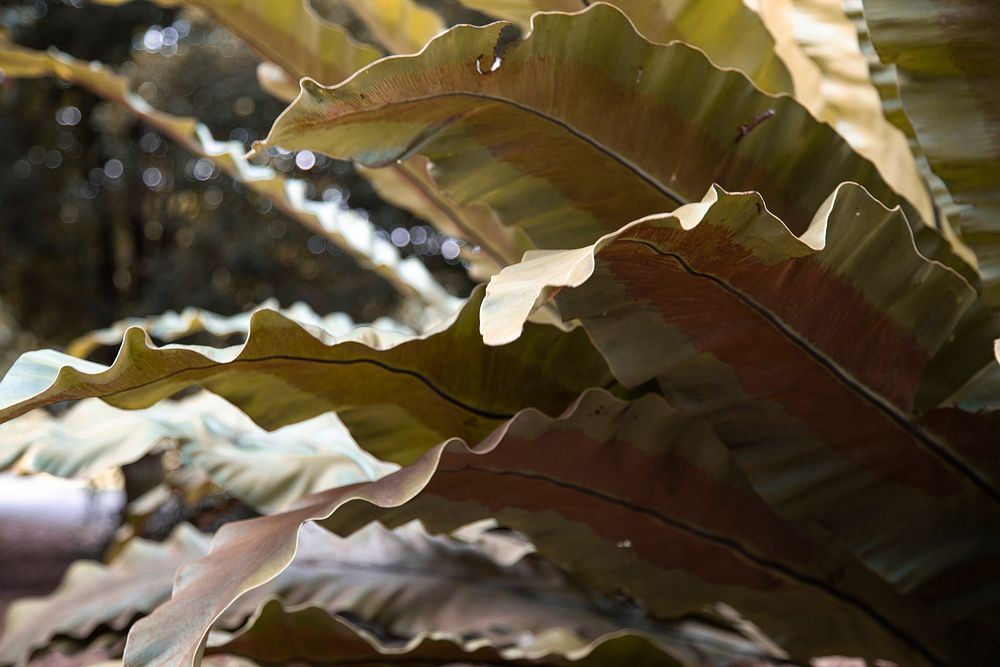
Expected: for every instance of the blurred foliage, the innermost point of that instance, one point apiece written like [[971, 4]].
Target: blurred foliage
[[133, 225]]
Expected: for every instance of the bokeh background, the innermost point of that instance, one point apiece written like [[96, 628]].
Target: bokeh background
[[102, 218]]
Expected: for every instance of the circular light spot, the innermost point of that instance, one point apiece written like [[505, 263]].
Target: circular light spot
[[243, 106], [68, 115], [153, 178], [153, 39], [22, 168], [114, 168], [203, 170], [316, 244], [305, 160], [400, 236], [69, 213], [450, 249]]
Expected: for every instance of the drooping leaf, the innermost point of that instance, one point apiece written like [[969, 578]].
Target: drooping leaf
[[404, 584], [92, 594], [804, 354], [397, 398], [945, 55], [635, 128], [821, 48], [267, 470], [629, 496], [171, 326], [349, 231], [311, 635], [884, 78]]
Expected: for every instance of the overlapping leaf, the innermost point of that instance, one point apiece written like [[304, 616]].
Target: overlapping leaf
[[728, 31], [171, 326], [945, 55], [804, 354], [92, 594], [348, 230], [832, 80], [312, 635], [397, 398], [630, 496], [408, 185], [267, 470], [635, 128], [400, 26], [404, 584]]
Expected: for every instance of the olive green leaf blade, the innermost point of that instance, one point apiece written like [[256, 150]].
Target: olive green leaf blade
[[635, 128], [671, 521], [92, 594], [805, 355], [397, 396], [728, 31], [945, 56], [821, 47], [400, 26]]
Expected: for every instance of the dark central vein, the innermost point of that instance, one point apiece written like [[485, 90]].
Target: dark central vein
[[724, 542], [435, 130], [868, 395], [481, 412]]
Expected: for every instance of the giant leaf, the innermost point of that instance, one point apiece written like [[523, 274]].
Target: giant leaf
[[397, 398], [629, 496], [579, 128], [343, 227], [945, 55], [804, 354]]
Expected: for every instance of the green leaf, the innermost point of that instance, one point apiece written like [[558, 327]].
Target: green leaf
[[804, 354], [636, 128], [629, 496], [398, 397], [945, 56], [728, 31], [400, 26]]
